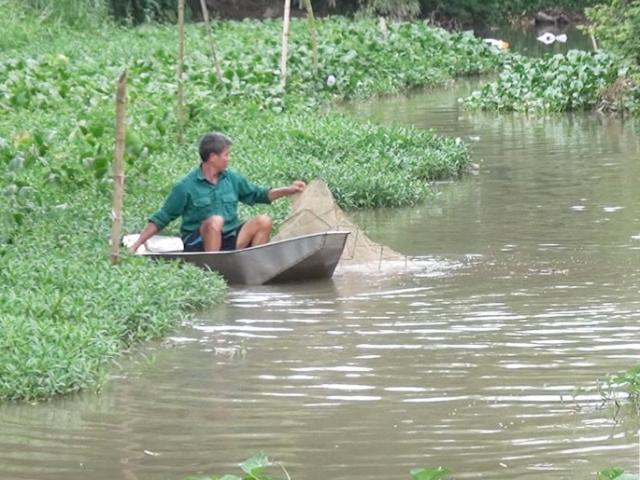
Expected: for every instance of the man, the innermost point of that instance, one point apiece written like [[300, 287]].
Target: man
[[207, 200]]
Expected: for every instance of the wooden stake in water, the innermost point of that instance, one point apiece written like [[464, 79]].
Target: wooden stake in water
[[285, 44], [312, 32], [214, 56], [118, 167], [180, 94]]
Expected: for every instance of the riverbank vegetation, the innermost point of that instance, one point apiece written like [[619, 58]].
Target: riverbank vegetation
[[574, 81], [450, 13], [607, 80], [65, 312]]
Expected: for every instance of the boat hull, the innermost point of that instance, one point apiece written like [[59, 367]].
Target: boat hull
[[306, 257]]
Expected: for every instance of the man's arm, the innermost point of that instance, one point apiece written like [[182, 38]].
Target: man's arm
[[173, 207], [149, 231], [296, 187]]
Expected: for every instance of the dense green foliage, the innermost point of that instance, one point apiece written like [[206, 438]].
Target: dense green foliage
[[139, 11], [473, 12], [616, 25], [573, 81], [64, 316], [91, 12], [56, 142], [391, 8], [521, 7], [452, 12], [72, 12], [606, 80]]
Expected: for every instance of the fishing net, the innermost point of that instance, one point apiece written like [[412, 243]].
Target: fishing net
[[315, 210]]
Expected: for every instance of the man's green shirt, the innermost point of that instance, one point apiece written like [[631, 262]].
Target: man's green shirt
[[195, 199]]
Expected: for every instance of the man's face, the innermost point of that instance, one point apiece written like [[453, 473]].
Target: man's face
[[221, 160]]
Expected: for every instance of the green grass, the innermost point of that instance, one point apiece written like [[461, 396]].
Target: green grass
[[66, 313]]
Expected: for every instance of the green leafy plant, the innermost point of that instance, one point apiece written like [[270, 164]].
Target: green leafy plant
[[615, 473], [627, 382], [429, 473], [558, 83], [255, 468]]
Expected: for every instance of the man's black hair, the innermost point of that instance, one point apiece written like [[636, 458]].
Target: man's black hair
[[213, 142]]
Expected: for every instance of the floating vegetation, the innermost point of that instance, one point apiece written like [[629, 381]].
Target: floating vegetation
[[623, 390], [257, 468], [615, 473], [577, 80]]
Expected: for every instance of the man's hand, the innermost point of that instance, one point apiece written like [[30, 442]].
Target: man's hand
[[149, 231], [297, 186], [134, 248]]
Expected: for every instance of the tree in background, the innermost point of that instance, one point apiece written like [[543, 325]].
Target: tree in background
[[83, 12], [461, 13], [450, 13], [524, 7], [401, 9], [616, 25], [139, 11], [71, 12]]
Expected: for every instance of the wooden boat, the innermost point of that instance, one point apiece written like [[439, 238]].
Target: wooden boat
[[307, 257]]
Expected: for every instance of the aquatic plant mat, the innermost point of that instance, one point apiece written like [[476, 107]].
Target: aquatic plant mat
[[315, 210]]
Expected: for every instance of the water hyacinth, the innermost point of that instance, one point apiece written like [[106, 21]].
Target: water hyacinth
[[557, 83]]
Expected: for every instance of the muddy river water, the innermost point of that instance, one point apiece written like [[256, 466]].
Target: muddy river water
[[484, 358]]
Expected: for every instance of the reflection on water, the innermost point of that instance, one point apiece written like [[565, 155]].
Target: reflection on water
[[483, 356], [524, 40]]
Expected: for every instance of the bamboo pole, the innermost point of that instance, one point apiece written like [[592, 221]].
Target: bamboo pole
[[118, 167], [180, 94], [312, 31], [214, 56], [382, 25], [594, 42], [285, 44]]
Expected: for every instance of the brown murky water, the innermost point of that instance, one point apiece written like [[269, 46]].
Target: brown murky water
[[484, 358]]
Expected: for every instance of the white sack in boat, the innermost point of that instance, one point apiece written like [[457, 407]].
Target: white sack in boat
[[156, 244]]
